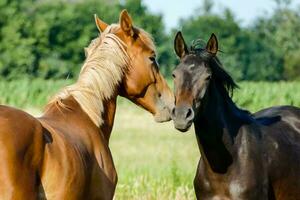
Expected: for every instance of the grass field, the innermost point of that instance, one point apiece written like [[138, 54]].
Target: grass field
[[154, 161]]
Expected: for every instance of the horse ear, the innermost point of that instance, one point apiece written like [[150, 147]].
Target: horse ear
[[179, 45], [126, 23], [101, 25], [212, 44]]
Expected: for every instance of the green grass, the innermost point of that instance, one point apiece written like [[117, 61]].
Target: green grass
[[27, 93], [154, 161], [258, 95], [251, 95]]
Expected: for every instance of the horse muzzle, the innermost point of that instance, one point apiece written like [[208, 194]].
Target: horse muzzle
[[183, 117]]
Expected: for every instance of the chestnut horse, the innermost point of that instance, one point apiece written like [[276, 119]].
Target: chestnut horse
[[243, 155], [65, 153]]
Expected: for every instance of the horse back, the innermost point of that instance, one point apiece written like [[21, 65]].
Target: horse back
[[281, 123], [281, 141]]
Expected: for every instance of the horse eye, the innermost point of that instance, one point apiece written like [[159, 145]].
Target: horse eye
[[208, 78], [152, 58], [173, 75]]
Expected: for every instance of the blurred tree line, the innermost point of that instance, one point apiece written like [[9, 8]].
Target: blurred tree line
[[45, 38]]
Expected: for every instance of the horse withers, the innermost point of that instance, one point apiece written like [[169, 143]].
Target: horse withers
[[243, 155], [65, 154]]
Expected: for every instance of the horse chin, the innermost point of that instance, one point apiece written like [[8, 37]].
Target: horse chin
[[183, 127], [162, 116]]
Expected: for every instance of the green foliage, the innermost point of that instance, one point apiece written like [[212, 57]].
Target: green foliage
[[278, 45], [34, 93], [38, 41], [255, 96], [258, 58], [266, 50], [45, 39], [15, 46]]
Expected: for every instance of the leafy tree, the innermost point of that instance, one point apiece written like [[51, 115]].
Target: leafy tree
[[45, 38], [282, 44], [61, 36], [16, 43]]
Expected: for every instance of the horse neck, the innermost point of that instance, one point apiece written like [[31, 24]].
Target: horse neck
[[68, 117], [108, 117], [103, 106], [216, 126]]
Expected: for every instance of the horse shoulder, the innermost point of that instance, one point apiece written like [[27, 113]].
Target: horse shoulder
[[86, 155], [248, 141], [103, 180], [249, 162], [104, 165]]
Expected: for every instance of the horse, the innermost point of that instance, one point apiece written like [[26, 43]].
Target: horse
[[64, 154], [243, 155]]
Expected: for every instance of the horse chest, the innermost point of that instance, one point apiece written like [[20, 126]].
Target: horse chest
[[231, 185], [208, 185], [219, 188]]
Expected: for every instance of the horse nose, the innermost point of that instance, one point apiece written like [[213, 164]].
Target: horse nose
[[183, 113], [183, 117]]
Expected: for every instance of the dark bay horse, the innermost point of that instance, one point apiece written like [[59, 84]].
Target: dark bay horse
[[65, 154], [243, 155]]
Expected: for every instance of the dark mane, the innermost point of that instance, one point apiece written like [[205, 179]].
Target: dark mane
[[222, 78]]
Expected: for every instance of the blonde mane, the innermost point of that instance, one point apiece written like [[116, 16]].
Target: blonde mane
[[103, 70]]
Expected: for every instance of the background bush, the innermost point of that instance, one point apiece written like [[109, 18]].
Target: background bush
[[45, 38]]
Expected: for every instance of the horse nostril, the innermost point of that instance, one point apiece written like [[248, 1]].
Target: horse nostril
[[189, 114], [173, 112]]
